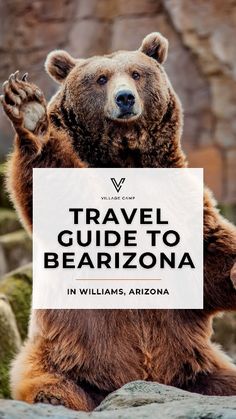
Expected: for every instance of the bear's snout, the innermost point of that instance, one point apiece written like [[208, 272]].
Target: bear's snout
[[125, 101], [122, 98]]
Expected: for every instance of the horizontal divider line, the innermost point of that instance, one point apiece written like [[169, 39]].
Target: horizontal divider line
[[118, 279]]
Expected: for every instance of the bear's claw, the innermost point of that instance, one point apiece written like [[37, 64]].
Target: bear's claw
[[24, 77], [49, 399]]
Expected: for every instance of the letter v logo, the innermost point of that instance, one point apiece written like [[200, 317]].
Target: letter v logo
[[117, 185]]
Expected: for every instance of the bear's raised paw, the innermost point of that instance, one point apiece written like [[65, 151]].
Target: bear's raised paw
[[24, 104]]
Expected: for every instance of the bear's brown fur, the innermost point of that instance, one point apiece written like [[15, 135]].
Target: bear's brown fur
[[77, 357]]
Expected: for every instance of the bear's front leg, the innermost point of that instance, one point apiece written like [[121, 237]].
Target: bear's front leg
[[34, 379], [221, 382], [25, 106], [37, 144]]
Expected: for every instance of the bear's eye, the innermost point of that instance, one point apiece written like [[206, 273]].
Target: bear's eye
[[135, 75], [102, 80]]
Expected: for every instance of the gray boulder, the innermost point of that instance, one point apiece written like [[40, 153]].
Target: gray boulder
[[4, 198], [10, 342], [15, 250], [136, 400], [16, 286], [9, 221]]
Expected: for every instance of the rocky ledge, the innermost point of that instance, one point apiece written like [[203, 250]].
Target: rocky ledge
[[136, 400]]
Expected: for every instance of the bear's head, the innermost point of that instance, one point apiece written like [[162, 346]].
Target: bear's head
[[117, 108]]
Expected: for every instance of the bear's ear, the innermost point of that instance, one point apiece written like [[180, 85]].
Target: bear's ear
[[58, 64], [155, 46]]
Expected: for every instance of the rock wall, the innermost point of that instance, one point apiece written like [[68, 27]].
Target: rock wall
[[201, 63]]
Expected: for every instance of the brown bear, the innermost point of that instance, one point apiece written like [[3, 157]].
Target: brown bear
[[117, 110]]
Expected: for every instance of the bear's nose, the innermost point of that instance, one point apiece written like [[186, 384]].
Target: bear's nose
[[125, 100]]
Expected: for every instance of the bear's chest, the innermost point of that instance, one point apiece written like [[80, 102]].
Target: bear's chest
[[119, 347]]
